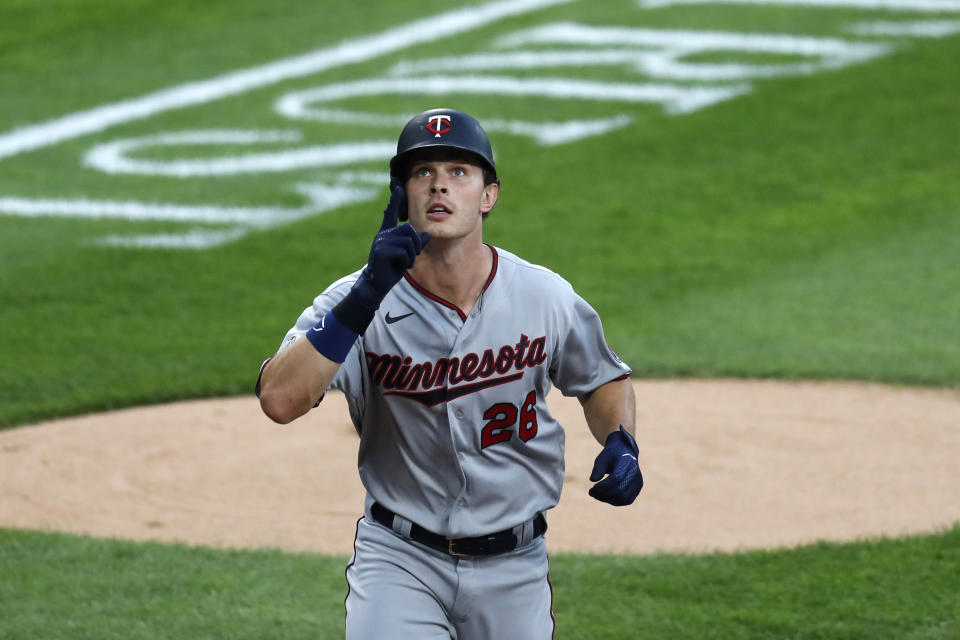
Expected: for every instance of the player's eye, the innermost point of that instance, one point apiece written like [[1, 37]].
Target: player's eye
[[422, 172], [458, 171]]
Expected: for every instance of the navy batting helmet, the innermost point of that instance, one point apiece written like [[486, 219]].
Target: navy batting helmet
[[442, 128]]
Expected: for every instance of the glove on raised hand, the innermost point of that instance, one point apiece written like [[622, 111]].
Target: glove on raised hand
[[619, 460], [394, 250]]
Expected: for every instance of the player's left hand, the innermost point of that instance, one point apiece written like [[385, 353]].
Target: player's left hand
[[619, 460]]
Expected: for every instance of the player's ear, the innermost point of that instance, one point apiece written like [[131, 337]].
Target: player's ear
[[489, 197]]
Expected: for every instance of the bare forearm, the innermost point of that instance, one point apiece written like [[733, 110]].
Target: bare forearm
[[606, 409], [293, 381], [610, 406]]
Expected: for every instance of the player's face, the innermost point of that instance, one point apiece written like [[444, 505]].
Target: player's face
[[446, 195]]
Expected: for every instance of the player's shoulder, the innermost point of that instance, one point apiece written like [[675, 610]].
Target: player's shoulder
[[537, 275], [339, 288], [327, 299]]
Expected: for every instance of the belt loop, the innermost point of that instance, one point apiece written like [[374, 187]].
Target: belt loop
[[524, 533], [401, 526]]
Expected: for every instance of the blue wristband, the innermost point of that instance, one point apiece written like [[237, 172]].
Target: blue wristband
[[331, 338]]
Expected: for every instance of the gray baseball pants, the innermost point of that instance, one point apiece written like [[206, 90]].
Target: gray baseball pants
[[403, 590]]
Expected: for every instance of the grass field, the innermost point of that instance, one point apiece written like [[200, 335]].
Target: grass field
[[66, 587], [806, 228]]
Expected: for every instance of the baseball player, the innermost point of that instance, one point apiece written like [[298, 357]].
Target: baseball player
[[445, 348]]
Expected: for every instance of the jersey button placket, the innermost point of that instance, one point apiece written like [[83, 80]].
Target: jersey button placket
[[455, 416]]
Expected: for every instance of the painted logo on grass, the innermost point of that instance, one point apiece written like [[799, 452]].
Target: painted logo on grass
[[664, 70]]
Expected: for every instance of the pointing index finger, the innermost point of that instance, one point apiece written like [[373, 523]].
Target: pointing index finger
[[391, 213]]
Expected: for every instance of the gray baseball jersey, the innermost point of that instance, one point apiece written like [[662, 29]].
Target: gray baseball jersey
[[455, 434]]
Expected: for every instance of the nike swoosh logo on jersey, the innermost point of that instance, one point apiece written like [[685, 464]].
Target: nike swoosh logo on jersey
[[391, 319]]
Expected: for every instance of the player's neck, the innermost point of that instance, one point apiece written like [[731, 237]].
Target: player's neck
[[454, 271]]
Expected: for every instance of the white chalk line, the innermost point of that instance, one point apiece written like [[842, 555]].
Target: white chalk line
[[548, 134], [936, 6], [687, 40], [672, 44], [674, 98], [77, 124], [298, 107], [196, 239], [320, 197], [655, 64], [916, 29], [111, 157], [134, 210], [80, 123], [665, 62]]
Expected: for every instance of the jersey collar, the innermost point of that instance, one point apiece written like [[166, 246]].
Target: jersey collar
[[463, 317]]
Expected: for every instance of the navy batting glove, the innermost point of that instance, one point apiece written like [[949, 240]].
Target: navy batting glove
[[394, 250], [618, 461]]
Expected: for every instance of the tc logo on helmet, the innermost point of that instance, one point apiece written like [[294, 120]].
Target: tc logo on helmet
[[439, 124]]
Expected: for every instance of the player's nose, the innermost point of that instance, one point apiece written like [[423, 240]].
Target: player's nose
[[438, 184]]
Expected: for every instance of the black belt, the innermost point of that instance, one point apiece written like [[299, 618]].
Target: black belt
[[499, 542]]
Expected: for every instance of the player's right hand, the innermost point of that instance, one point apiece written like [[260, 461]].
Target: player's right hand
[[395, 247], [394, 250]]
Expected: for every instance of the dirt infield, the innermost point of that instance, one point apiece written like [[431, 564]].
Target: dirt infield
[[728, 465]]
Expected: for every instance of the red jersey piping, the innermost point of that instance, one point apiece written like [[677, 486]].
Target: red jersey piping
[[447, 303]]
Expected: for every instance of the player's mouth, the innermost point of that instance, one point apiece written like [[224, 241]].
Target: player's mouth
[[438, 211]]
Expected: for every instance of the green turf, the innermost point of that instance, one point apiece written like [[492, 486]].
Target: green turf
[[806, 230], [809, 229], [59, 586]]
